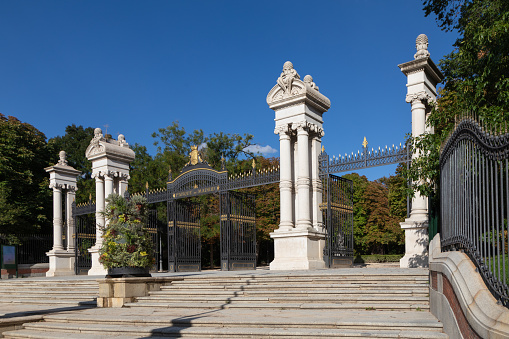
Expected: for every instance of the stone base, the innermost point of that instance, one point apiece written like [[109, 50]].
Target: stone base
[[416, 243], [97, 267], [61, 263], [298, 250], [116, 292]]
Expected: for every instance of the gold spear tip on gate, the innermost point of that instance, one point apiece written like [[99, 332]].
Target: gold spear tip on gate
[[146, 185], [323, 148], [254, 164], [169, 169], [365, 142], [90, 196]]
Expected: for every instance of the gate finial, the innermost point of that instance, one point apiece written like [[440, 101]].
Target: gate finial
[[365, 142]]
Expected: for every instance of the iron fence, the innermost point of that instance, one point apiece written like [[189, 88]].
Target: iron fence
[[32, 248], [474, 209]]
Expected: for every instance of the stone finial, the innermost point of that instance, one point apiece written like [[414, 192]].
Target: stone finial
[[62, 161], [98, 133], [421, 43], [308, 79], [286, 78]]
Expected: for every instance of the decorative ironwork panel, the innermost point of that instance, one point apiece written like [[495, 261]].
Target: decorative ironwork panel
[[337, 209], [82, 209], [85, 238], [364, 159], [474, 204], [238, 231], [184, 238], [252, 178]]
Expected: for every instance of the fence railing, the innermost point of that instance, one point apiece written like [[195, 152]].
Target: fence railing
[[474, 204], [33, 247]]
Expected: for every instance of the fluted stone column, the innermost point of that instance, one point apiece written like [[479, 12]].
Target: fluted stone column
[[303, 179], [57, 219], [422, 78], [70, 197], [285, 181], [299, 107], [316, 183]]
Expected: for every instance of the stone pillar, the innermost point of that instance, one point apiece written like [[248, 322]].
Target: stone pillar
[[422, 78], [285, 181], [316, 183], [303, 178], [62, 181], [70, 197], [97, 267], [110, 167], [57, 219], [299, 107]]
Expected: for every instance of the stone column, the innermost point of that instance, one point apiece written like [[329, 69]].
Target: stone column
[[70, 197], [57, 219], [303, 179], [285, 181], [316, 183], [97, 267], [422, 78]]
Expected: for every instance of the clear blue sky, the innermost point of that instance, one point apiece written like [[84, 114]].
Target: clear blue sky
[[140, 65]]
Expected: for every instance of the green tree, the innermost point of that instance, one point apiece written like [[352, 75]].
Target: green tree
[[360, 215], [75, 142], [25, 200], [476, 77]]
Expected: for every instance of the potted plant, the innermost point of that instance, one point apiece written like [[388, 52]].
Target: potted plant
[[127, 245]]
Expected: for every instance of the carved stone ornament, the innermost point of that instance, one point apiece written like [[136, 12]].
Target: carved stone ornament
[[308, 80], [100, 146], [62, 161], [420, 96], [287, 77], [282, 129], [421, 43]]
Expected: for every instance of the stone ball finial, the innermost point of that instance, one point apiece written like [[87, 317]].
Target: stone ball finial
[[288, 65], [421, 44]]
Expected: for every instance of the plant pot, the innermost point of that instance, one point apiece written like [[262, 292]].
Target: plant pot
[[126, 272]]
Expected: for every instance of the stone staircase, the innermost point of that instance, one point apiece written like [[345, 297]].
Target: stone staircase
[[347, 303], [51, 292]]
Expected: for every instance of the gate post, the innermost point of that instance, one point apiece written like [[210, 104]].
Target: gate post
[[299, 106], [422, 79], [110, 167], [62, 181]]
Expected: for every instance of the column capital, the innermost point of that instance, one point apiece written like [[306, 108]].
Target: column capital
[[282, 130], [419, 97], [56, 187]]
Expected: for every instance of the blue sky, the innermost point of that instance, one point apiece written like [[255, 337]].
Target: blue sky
[[140, 65]]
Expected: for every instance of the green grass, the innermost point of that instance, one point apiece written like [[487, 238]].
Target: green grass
[[377, 258]]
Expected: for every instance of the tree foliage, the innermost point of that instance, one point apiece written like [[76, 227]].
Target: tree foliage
[[476, 77], [25, 200]]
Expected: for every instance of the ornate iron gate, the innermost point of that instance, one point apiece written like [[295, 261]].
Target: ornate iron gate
[[337, 209], [238, 231], [85, 236], [184, 238]]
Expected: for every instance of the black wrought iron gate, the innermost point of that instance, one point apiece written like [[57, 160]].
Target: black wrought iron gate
[[184, 239], [85, 236], [337, 209], [238, 231]]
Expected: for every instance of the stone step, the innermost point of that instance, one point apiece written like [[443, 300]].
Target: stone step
[[49, 301], [281, 298], [236, 323], [299, 290], [292, 287], [224, 332], [424, 306]]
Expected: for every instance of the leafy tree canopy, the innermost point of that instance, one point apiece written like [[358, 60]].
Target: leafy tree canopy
[[476, 77], [25, 200]]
